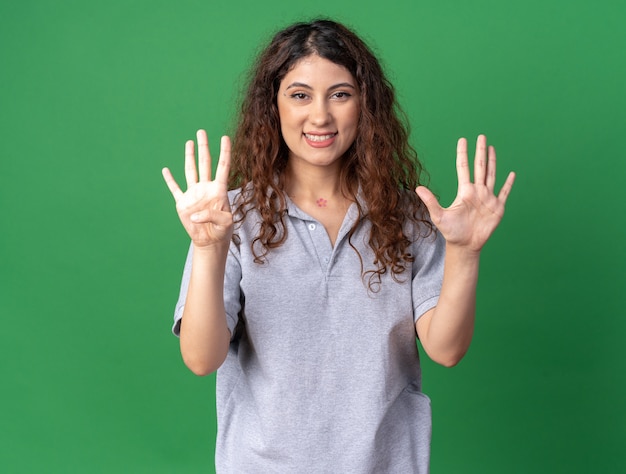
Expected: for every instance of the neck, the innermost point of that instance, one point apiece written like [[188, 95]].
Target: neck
[[313, 183]]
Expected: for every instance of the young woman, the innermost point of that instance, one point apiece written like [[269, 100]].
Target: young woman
[[307, 283]]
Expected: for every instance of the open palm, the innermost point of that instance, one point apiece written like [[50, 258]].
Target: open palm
[[204, 209], [476, 211]]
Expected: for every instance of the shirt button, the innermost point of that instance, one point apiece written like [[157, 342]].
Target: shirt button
[[312, 226]]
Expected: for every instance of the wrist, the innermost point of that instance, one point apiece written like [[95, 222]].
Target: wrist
[[462, 254], [211, 251], [461, 269]]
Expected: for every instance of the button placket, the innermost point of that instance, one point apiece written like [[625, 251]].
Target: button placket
[[319, 238]]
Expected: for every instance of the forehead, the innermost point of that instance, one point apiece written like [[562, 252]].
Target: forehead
[[314, 71]]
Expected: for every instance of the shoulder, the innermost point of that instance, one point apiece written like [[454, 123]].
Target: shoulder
[[235, 196], [241, 202]]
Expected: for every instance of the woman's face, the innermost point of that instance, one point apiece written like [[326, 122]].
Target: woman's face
[[319, 106]]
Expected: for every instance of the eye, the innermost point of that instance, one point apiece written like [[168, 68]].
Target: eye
[[299, 96], [341, 95]]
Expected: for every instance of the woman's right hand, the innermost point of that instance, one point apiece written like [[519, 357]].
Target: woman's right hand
[[204, 209]]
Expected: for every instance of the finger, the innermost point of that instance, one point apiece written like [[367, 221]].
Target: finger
[[491, 169], [223, 166], [171, 183], [462, 166], [480, 160], [204, 158], [506, 187], [212, 216], [429, 199], [190, 164]]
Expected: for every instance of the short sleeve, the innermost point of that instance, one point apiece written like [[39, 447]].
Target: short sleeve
[[182, 296], [232, 291], [427, 273]]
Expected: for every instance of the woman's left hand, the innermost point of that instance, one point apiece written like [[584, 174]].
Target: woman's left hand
[[476, 211]]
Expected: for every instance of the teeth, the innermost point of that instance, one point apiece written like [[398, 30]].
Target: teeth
[[319, 138]]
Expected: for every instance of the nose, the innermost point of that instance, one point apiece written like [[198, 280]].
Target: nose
[[319, 113]]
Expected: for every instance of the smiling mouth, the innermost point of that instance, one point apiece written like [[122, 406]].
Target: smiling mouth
[[320, 138]]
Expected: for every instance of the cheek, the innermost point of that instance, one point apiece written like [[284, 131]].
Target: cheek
[[288, 119], [357, 115], [353, 120], [352, 116], [281, 113]]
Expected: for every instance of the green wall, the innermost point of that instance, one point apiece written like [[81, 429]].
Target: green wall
[[96, 97]]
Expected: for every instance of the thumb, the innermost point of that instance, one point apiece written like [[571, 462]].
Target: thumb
[[429, 199]]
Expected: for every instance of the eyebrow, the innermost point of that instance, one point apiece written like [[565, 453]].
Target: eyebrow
[[306, 86]]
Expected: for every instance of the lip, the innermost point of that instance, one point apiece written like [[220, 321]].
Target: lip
[[320, 140]]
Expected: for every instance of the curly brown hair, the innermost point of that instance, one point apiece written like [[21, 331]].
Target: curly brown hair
[[381, 161]]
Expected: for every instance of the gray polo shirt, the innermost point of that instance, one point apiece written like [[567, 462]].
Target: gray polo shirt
[[322, 374]]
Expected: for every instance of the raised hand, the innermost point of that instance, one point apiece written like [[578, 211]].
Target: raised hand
[[476, 211], [204, 209]]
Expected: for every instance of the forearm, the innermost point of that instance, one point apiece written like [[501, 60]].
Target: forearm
[[447, 332], [204, 334]]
